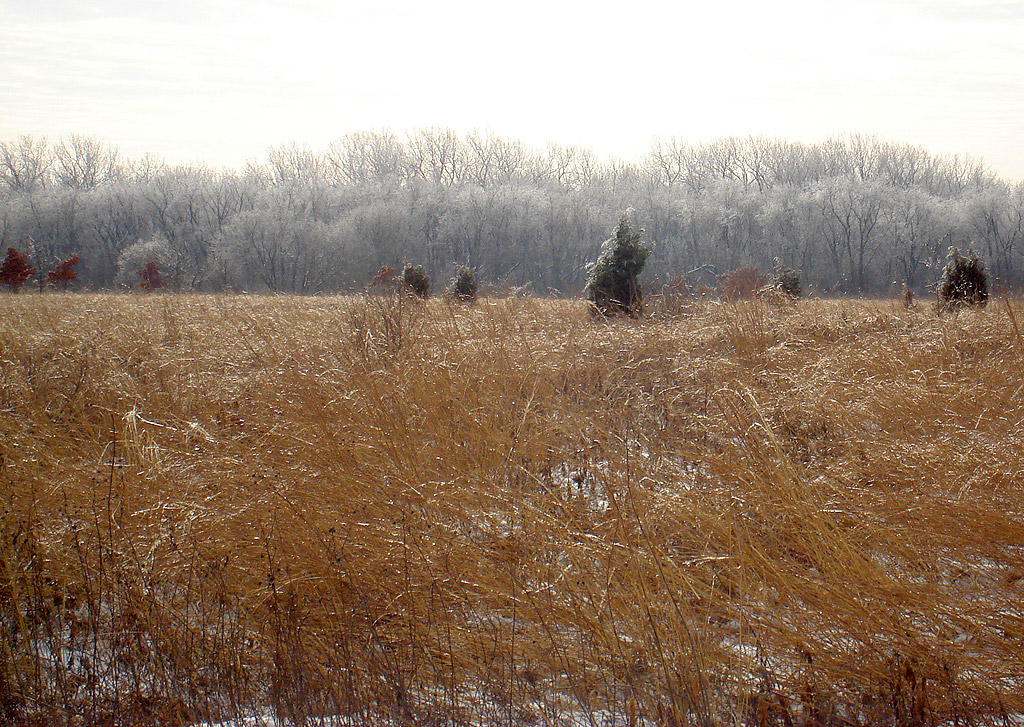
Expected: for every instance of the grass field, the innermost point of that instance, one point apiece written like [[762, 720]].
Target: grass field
[[509, 513]]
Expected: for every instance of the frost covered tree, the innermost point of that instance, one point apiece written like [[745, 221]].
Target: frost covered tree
[[136, 256], [612, 287], [279, 251], [851, 214], [25, 164], [83, 162]]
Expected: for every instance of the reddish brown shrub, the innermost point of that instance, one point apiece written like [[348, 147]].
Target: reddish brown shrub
[[149, 276], [384, 281], [16, 270], [64, 273]]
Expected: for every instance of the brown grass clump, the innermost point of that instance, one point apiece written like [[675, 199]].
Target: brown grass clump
[[742, 284], [674, 299], [508, 513]]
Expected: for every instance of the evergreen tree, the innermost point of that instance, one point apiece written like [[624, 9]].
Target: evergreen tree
[[463, 286], [416, 280], [613, 288], [964, 281], [787, 280]]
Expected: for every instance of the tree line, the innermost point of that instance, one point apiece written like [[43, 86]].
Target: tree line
[[853, 214]]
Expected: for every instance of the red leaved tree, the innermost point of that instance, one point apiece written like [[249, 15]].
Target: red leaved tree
[[149, 276], [385, 282], [16, 269], [63, 274]]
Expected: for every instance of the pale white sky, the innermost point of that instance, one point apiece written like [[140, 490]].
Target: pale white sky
[[221, 80]]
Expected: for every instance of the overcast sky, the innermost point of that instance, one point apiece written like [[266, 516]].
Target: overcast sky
[[221, 80]]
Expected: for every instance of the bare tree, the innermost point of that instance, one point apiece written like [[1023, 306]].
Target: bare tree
[[994, 218], [262, 247], [82, 162], [295, 163], [851, 211], [855, 209], [920, 230], [494, 160], [669, 162], [365, 157], [25, 164], [437, 155]]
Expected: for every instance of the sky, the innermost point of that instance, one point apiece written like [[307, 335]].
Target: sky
[[221, 81]]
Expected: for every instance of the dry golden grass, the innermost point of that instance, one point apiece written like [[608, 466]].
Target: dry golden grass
[[509, 512]]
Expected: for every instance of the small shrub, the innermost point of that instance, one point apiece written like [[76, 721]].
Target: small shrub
[[416, 281], [134, 258], [16, 270], [384, 278], [463, 286], [787, 280], [964, 281], [613, 288], [149, 277], [64, 273], [384, 282], [742, 284]]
